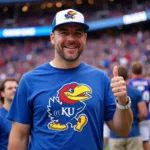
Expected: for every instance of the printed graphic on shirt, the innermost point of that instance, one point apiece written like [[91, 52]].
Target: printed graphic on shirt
[[66, 109]]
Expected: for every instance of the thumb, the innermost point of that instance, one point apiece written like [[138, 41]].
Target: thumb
[[115, 71]]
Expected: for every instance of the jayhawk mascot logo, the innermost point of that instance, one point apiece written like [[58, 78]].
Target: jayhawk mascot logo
[[70, 14], [66, 108]]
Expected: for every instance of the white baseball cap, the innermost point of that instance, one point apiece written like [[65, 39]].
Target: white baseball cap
[[68, 16]]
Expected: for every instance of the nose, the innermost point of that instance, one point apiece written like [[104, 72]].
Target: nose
[[14, 89], [71, 38]]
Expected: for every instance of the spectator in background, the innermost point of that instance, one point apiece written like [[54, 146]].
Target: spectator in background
[[133, 141], [63, 103], [143, 85], [7, 90]]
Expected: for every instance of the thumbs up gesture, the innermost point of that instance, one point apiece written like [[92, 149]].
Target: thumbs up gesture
[[118, 86]]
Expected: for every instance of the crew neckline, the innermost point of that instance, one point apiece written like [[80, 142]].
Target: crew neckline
[[67, 69]]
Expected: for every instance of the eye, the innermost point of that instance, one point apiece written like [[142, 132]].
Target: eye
[[71, 90], [63, 33], [79, 33]]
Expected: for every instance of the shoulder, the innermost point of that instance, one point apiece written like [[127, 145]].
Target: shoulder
[[96, 75], [133, 90], [94, 69], [1, 111], [36, 71], [3, 114], [130, 81]]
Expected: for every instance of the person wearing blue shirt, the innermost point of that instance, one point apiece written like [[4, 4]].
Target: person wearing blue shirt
[[63, 103], [143, 85], [7, 91], [133, 140]]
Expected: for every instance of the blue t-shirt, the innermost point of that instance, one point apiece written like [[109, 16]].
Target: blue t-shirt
[[66, 108], [143, 85], [5, 127], [136, 97]]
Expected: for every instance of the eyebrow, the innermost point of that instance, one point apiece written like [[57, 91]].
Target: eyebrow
[[12, 87]]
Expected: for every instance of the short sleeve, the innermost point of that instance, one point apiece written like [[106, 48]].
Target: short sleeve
[[20, 110]]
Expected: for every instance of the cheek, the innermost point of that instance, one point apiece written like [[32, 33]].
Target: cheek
[[59, 41], [82, 42]]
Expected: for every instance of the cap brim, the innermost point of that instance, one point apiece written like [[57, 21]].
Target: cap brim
[[85, 26]]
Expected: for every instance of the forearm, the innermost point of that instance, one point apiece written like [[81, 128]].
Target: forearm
[[122, 121], [17, 142], [143, 112], [17, 145]]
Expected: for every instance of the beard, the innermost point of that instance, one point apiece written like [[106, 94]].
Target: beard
[[67, 57], [10, 99]]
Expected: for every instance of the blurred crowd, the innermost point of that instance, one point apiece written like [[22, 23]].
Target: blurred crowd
[[44, 17], [17, 56], [22, 55]]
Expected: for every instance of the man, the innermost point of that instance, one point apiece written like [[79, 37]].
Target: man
[[64, 102], [143, 85], [133, 140], [7, 90]]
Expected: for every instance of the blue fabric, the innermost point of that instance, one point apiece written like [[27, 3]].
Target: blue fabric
[[5, 127], [143, 85], [40, 100], [136, 97]]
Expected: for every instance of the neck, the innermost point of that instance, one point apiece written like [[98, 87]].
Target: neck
[[65, 64], [6, 105], [136, 76]]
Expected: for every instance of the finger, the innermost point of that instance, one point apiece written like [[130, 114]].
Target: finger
[[119, 89], [115, 71], [116, 79], [120, 94], [117, 83]]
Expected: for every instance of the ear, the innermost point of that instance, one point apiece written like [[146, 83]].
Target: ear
[[85, 38], [52, 38]]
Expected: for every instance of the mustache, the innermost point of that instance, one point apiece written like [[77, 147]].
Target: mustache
[[74, 43], [70, 45]]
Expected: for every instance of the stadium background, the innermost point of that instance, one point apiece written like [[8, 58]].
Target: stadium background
[[119, 33]]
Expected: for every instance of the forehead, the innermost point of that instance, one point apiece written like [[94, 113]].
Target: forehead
[[10, 84], [69, 26]]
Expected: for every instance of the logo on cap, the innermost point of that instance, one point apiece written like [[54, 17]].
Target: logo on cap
[[70, 15]]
